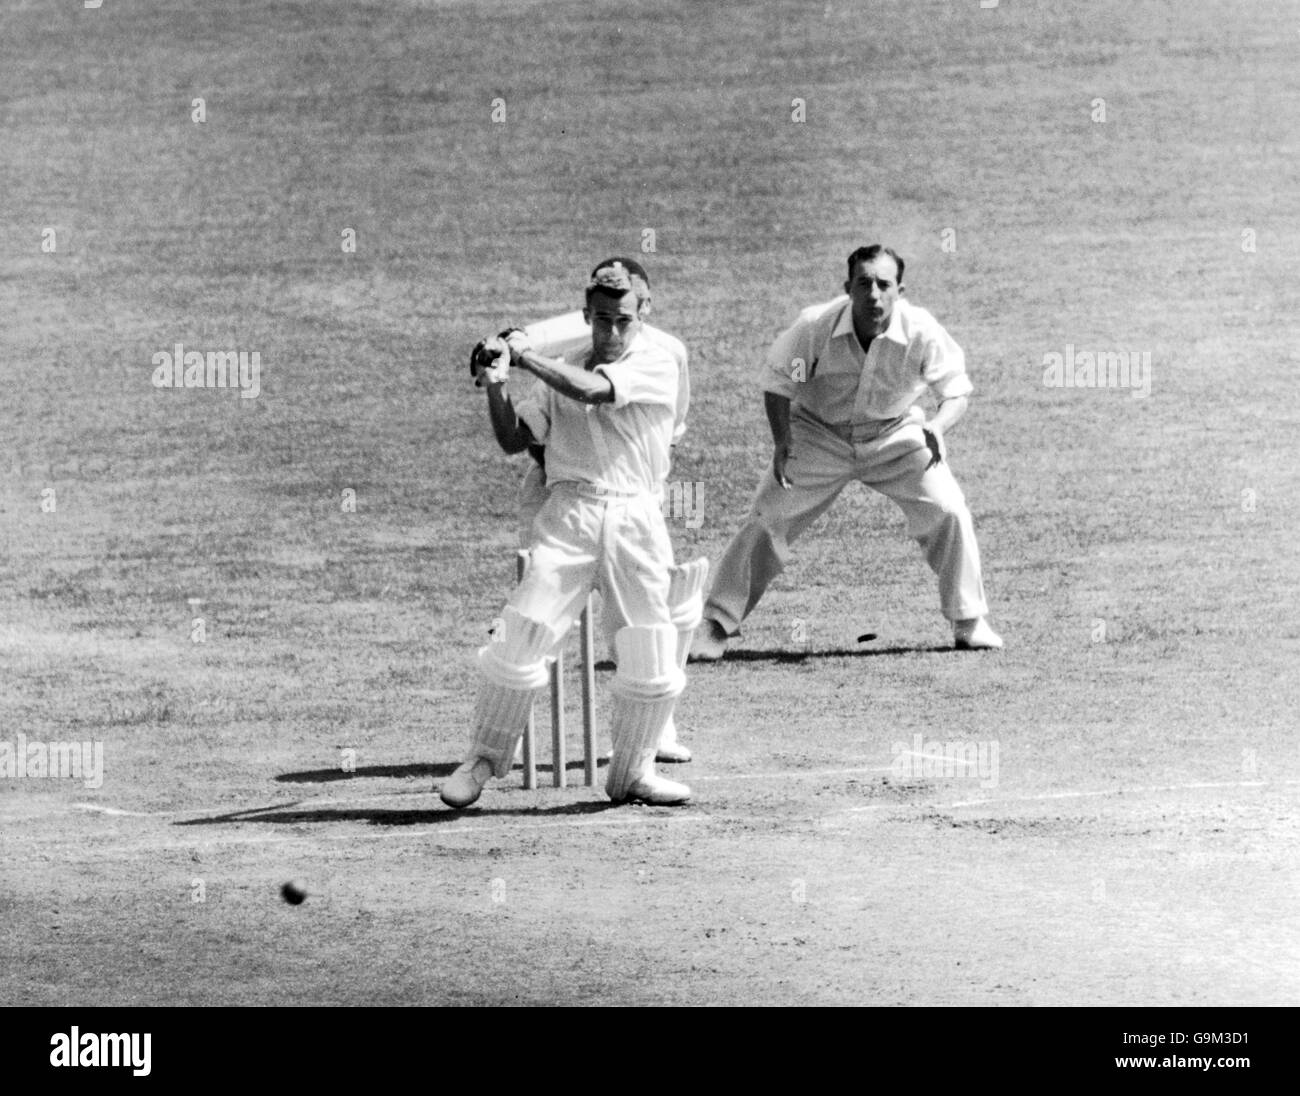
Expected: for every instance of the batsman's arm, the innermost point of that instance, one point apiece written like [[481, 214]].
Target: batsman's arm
[[582, 385], [512, 433], [778, 419]]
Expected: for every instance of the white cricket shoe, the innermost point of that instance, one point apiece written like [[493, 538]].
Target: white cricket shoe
[[669, 749], [975, 635], [672, 752], [654, 789], [710, 642], [465, 785]]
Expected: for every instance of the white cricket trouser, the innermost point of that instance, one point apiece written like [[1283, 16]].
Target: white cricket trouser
[[532, 494], [822, 463], [584, 539], [685, 600]]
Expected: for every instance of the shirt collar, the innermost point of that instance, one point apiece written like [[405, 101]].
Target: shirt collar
[[894, 332]]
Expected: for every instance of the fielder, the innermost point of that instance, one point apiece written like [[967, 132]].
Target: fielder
[[559, 336], [604, 412], [841, 388]]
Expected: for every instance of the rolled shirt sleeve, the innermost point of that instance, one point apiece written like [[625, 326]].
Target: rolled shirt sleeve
[[943, 364], [647, 377]]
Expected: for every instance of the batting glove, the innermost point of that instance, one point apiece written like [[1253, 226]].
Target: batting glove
[[496, 362], [518, 343]]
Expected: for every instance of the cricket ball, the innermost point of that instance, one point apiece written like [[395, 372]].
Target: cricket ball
[[294, 892]]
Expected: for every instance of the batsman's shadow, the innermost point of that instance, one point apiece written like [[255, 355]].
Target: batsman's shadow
[[328, 776], [285, 814], [781, 655], [437, 770]]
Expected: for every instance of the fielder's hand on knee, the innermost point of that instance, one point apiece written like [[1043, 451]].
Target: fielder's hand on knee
[[780, 457], [934, 442]]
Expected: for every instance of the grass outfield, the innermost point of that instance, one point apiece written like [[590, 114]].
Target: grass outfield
[[1117, 176]]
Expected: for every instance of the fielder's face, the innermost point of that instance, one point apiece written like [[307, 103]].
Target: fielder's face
[[874, 288], [615, 322]]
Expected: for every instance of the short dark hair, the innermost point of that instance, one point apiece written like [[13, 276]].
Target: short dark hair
[[614, 278], [874, 251], [633, 267]]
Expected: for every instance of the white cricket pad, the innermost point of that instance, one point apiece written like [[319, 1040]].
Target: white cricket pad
[[686, 605], [686, 593], [499, 718], [636, 727], [516, 658], [647, 663], [645, 691]]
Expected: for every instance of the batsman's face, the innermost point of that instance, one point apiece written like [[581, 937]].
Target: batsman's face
[[615, 322], [874, 288]]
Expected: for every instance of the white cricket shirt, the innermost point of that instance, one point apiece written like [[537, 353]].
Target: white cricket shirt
[[560, 335], [621, 446], [843, 384]]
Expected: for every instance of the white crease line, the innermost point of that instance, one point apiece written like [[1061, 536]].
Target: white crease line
[[395, 832], [547, 824], [267, 814], [623, 820], [95, 808], [794, 772], [1050, 796], [200, 814], [114, 812], [1045, 796], [204, 812], [872, 807]]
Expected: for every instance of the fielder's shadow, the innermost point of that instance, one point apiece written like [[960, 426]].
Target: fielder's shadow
[[436, 770], [283, 814]]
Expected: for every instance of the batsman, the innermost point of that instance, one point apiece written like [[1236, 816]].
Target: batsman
[[604, 410], [555, 337]]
